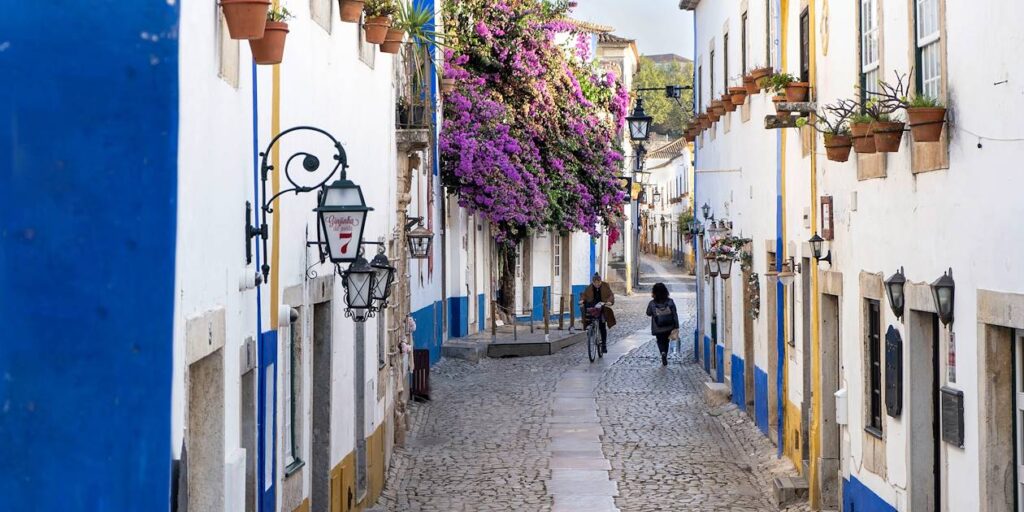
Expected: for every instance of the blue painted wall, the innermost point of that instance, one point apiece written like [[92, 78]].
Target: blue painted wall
[[458, 317], [429, 330], [481, 314], [539, 292], [88, 134], [720, 360], [761, 399], [707, 355], [739, 391], [858, 498]]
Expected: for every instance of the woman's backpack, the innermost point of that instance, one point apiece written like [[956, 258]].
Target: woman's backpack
[[663, 319]]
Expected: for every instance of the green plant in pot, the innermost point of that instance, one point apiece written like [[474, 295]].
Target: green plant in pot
[[926, 117], [269, 49], [860, 130], [777, 85], [378, 19], [760, 74], [350, 10], [833, 123]]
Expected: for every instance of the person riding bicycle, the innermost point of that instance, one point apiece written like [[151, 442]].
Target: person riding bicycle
[[599, 293]]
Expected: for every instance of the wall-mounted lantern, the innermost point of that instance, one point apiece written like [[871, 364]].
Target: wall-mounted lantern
[[817, 247], [942, 292], [342, 213], [420, 240], [894, 287], [713, 264], [639, 123], [789, 271], [359, 284], [384, 277], [656, 196], [725, 266], [705, 211]]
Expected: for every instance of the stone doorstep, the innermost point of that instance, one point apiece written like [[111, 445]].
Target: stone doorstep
[[467, 349], [716, 394], [565, 503], [582, 488], [788, 490]]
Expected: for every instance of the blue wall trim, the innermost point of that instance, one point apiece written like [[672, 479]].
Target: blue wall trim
[[707, 355], [593, 257], [720, 363], [739, 391], [429, 330], [481, 314], [88, 134], [696, 345], [857, 497], [761, 399], [538, 301], [458, 317]]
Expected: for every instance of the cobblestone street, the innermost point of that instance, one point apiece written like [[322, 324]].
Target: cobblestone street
[[561, 433]]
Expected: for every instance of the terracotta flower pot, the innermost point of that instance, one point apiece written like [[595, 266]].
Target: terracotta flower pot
[[727, 103], [270, 48], [738, 95], [781, 114], [705, 121], [838, 147], [246, 19], [796, 92], [863, 140], [393, 41], [888, 136], [715, 115], [447, 85], [376, 29], [351, 10], [750, 85], [760, 75], [717, 108], [926, 123]]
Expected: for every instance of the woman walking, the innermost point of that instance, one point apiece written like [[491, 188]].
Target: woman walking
[[664, 318]]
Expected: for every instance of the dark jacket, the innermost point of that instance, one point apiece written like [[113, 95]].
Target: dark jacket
[[671, 305], [607, 296]]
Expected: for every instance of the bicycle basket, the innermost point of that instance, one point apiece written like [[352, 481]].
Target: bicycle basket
[[593, 312]]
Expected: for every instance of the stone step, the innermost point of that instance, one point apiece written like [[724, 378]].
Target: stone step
[[716, 393], [468, 349], [789, 490]]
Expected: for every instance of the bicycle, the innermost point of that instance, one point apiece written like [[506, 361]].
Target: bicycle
[[594, 332]]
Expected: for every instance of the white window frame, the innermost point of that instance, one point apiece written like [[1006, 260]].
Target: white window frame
[[870, 47], [557, 254], [928, 30]]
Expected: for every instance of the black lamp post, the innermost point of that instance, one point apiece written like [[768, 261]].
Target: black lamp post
[[639, 155], [384, 277], [639, 123], [942, 292], [816, 246], [894, 287], [359, 285]]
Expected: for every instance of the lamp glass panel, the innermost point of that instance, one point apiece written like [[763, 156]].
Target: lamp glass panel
[[358, 287], [343, 231], [343, 196]]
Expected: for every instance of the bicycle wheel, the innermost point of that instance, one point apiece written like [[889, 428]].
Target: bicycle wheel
[[592, 347]]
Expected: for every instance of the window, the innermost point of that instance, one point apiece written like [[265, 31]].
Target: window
[[725, 63], [382, 340], [320, 12], [557, 254], [711, 75], [768, 30], [227, 51], [700, 88], [743, 44], [929, 62], [367, 51], [291, 368], [874, 341], [805, 46], [870, 68]]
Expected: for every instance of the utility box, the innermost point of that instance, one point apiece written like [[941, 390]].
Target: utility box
[[841, 418]]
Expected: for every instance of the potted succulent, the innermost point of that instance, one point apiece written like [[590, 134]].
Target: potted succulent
[[246, 19], [833, 123], [270, 48], [926, 115], [888, 133], [760, 76], [378, 19], [351, 10], [727, 103], [860, 130], [738, 95]]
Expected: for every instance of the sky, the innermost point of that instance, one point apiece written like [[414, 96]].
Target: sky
[[658, 26]]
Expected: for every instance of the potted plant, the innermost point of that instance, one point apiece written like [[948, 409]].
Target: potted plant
[[777, 84], [888, 133], [705, 121], [833, 123], [246, 19], [727, 103], [926, 115], [750, 84], [378, 19], [393, 41], [760, 76], [860, 130], [738, 95], [718, 108], [270, 48], [351, 10]]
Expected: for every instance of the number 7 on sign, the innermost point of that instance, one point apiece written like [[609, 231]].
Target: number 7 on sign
[[347, 237]]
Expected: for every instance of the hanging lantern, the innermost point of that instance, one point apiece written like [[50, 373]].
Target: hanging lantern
[[359, 284], [639, 123], [725, 266], [942, 292], [342, 213], [420, 241], [384, 277], [894, 288]]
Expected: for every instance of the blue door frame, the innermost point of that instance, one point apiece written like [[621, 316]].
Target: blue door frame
[[266, 421]]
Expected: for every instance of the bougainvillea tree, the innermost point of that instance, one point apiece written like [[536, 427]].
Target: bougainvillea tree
[[530, 139]]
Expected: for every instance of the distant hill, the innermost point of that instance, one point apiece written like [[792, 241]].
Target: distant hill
[[663, 59]]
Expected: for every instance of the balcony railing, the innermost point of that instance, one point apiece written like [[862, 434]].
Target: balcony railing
[[414, 105]]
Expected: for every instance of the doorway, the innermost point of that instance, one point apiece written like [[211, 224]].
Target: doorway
[[772, 341], [924, 382], [1018, 420], [831, 368], [205, 434], [805, 409], [748, 344], [320, 445], [248, 425]]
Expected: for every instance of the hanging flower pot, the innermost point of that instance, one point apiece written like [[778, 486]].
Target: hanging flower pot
[[705, 121], [351, 10], [838, 147], [270, 48], [780, 114], [863, 139], [888, 135], [393, 41], [750, 85], [738, 95], [727, 103], [246, 19], [376, 29], [760, 75], [717, 107], [926, 123], [796, 92]]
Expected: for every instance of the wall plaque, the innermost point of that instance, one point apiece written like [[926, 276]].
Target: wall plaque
[[952, 406]]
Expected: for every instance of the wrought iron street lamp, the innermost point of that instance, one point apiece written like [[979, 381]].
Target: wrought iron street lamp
[[420, 240], [817, 244], [789, 271], [359, 284], [706, 211], [713, 264], [384, 277], [942, 292], [657, 196], [342, 213], [725, 266], [894, 287], [639, 123]]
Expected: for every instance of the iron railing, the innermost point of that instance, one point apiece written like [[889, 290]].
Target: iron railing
[[414, 105]]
